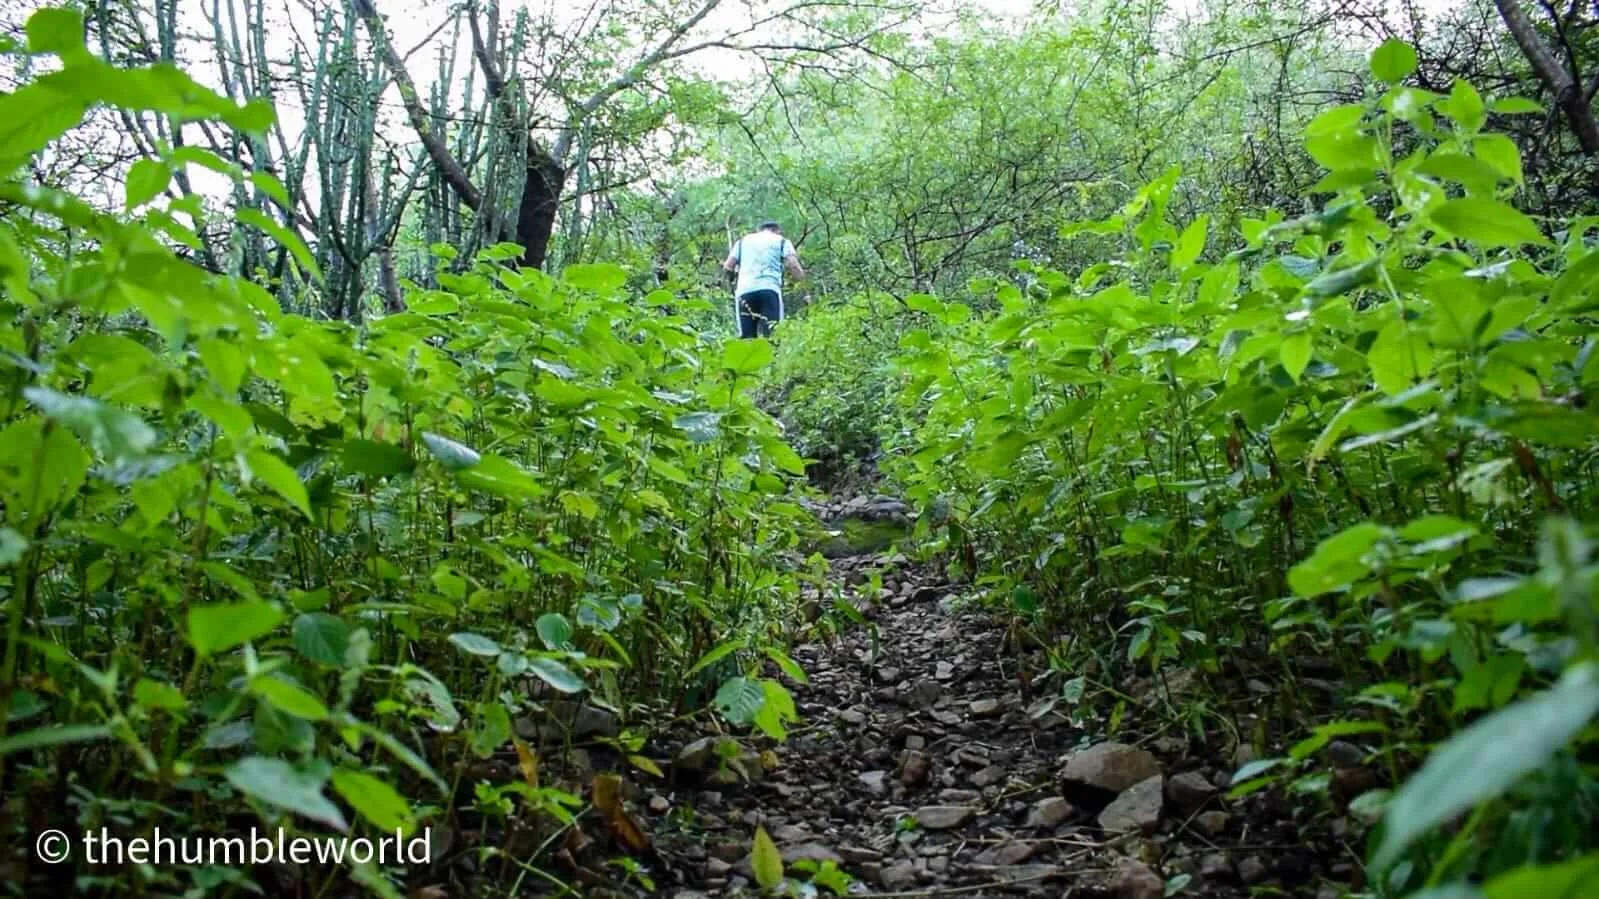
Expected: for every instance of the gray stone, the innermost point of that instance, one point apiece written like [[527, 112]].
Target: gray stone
[[1047, 814], [983, 708], [1189, 791], [696, 755], [1138, 808], [989, 776], [1343, 754], [1212, 823], [1253, 870], [1135, 880], [897, 876], [876, 782], [944, 817], [814, 852], [926, 692], [1009, 853], [1111, 766], [1216, 866], [914, 766]]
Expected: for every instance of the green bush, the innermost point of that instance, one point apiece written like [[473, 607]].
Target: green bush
[[833, 383], [256, 563], [1368, 435]]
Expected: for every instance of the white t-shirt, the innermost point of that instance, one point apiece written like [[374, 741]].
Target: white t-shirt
[[760, 258]]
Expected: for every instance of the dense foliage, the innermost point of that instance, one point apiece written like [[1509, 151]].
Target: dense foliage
[[1367, 435], [1206, 347], [417, 531]]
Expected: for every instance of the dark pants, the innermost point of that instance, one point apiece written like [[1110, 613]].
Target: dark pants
[[758, 310]]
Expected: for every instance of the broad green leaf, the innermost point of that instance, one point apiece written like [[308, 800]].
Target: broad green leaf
[[554, 630], [1487, 223], [1574, 879], [284, 236], [776, 710], [1295, 353], [113, 432], [787, 665], [765, 861], [219, 627], [1464, 106], [12, 546], [278, 783], [58, 30], [452, 455], [491, 728], [597, 277], [784, 455], [154, 694], [475, 644], [501, 477], [374, 458], [322, 638], [716, 654], [1190, 243], [276, 474], [1340, 281], [702, 427], [598, 613], [740, 698], [375, 801], [53, 736], [746, 356], [1487, 758], [1501, 153], [147, 178], [1393, 60], [556, 674], [1338, 561], [1516, 106], [287, 697], [402, 752], [1400, 358]]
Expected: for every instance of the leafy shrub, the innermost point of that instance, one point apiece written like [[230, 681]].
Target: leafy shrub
[[1366, 435], [253, 561], [832, 384]]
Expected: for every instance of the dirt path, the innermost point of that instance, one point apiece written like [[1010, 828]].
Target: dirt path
[[920, 773]]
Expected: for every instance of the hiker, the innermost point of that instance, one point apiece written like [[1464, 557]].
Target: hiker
[[760, 258]]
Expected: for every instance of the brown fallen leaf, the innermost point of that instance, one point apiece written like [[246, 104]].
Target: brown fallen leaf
[[608, 802], [528, 761]]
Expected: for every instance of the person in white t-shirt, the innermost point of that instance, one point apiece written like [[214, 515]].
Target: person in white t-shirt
[[760, 258]]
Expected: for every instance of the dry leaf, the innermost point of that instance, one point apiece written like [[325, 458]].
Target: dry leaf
[[608, 802], [645, 764], [528, 761]]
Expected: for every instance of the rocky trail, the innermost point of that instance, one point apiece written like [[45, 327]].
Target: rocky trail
[[919, 771]]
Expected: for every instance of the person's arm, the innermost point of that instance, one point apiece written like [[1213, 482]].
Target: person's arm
[[791, 262], [730, 265]]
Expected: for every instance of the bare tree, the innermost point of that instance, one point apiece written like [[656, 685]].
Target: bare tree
[[1563, 81], [801, 28]]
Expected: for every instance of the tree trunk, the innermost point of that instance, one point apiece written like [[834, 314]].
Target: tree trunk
[[535, 214], [1568, 94]]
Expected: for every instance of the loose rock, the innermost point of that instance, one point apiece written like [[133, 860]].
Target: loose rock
[[1189, 791], [1135, 880], [1111, 766], [1047, 814], [944, 817], [1138, 808]]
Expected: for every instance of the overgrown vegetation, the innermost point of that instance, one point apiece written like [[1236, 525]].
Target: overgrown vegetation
[[1365, 435], [1210, 349]]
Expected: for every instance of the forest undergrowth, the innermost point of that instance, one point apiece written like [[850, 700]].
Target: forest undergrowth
[[274, 570]]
